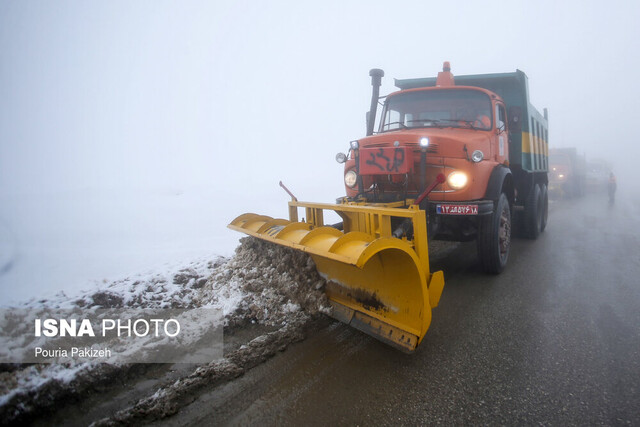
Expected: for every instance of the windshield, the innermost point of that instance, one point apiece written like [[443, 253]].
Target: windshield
[[464, 108]]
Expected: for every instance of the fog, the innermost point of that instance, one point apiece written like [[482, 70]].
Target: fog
[[132, 132]]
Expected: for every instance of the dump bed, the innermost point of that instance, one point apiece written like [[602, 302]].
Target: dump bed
[[529, 147]]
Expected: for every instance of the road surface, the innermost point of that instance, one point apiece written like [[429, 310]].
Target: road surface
[[555, 339]]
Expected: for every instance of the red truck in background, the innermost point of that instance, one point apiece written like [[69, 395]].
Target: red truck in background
[[567, 173]]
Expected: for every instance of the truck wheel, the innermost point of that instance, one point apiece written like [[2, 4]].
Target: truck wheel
[[533, 213], [494, 237], [544, 200]]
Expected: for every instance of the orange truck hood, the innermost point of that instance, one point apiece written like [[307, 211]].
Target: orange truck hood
[[443, 142]]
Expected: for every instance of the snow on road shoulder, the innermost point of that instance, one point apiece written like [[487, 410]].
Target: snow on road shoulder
[[262, 283], [265, 283], [174, 288]]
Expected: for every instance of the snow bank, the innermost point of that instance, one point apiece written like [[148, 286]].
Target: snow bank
[[265, 283], [262, 283]]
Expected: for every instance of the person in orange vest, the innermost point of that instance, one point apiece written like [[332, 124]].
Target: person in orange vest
[[482, 121], [611, 187]]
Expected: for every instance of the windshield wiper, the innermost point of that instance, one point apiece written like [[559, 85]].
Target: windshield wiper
[[425, 121], [444, 122], [468, 123], [386, 125]]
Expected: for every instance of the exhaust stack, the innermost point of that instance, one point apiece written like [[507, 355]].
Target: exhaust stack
[[376, 80]]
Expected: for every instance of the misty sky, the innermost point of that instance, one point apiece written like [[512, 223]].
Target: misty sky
[[131, 133], [242, 94]]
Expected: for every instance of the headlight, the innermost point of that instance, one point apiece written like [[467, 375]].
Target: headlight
[[350, 178], [354, 145], [424, 142], [457, 180], [477, 156], [561, 176], [341, 157]]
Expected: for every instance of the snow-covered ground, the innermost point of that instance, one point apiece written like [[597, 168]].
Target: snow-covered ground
[[151, 248], [74, 240], [261, 283]]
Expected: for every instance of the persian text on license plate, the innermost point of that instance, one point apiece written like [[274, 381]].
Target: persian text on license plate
[[457, 209]]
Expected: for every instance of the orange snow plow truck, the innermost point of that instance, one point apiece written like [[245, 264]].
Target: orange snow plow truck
[[453, 158]]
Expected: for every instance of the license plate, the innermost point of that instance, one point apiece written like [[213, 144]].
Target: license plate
[[385, 161], [457, 209]]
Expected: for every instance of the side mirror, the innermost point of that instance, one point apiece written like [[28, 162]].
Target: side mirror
[[515, 119]]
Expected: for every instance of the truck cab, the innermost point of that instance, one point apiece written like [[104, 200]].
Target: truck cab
[[567, 173], [456, 140]]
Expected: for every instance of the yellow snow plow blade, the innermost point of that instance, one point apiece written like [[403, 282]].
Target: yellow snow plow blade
[[377, 283]]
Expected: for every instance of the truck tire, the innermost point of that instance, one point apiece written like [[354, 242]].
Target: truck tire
[[494, 237], [544, 200], [532, 213]]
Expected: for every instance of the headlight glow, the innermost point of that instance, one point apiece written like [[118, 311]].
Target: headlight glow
[[561, 176], [457, 180], [424, 142], [350, 179]]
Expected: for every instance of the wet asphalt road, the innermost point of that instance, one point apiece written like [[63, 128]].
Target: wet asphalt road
[[553, 340]]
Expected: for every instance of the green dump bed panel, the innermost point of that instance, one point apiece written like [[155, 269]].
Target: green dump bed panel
[[528, 148]]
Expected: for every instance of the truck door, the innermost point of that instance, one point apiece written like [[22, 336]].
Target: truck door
[[501, 150]]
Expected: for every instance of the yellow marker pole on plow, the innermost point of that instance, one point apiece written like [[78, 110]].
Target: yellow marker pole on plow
[[377, 283]]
